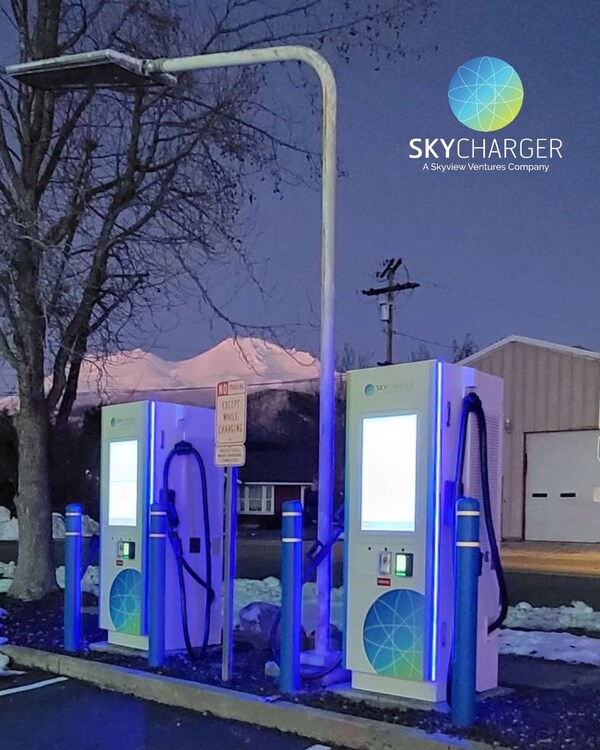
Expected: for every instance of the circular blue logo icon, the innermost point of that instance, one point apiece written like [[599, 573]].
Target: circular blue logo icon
[[393, 634], [113, 422], [125, 601], [485, 94], [369, 390]]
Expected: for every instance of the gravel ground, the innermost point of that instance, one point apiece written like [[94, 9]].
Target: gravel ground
[[524, 719], [40, 625]]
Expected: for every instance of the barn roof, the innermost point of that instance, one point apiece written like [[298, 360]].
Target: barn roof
[[574, 351]]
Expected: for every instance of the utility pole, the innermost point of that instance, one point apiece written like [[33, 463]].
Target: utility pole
[[388, 274]]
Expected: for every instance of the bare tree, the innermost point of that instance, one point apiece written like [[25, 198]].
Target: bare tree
[[350, 359], [112, 203], [420, 354], [463, 349]]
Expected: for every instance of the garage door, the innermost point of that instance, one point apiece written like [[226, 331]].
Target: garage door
[[562, 486]]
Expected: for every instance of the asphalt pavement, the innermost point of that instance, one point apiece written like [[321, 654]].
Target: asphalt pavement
[[40, 711]]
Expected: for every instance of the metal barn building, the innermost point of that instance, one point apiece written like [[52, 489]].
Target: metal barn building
[[551, 488]]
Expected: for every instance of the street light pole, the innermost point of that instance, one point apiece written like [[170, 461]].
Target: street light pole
[[113, 70], [327, 383]]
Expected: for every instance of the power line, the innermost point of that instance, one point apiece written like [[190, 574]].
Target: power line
[[508, 305], [421, 340]]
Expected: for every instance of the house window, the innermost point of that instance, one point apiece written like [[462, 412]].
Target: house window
[[256, 499]]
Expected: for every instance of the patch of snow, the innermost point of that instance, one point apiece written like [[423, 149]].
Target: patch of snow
[[58, 526], [574, 649], [91, 580], [90, 527], [7, 570], [90, 583], [4, 662], [9, 530], [577, 615], [247, 591]]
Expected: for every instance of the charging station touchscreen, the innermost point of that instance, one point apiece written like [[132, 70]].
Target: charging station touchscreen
[[389, 473], [123, 483]]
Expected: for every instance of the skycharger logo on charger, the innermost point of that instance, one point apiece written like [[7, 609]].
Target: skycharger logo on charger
[[486, 94]]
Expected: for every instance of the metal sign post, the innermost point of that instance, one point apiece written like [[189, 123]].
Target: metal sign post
[[229, 571], [230, 451]]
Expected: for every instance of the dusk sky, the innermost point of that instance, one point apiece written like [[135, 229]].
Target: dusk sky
[[496, 253]]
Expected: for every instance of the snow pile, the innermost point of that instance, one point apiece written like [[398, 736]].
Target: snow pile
[[4, 660], [9, 530], [574, 649], [58, 526], [309, 607], [576, 616], [90, 582], [247, 591], [7, 570], [90, 527], [9, 527]]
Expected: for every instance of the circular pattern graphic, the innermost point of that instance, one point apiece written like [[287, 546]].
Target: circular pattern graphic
[[393, 634], [485, 94], [369, 389], [125, 601]]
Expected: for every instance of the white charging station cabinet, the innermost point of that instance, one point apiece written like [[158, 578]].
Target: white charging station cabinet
[[402, 435], [136, 439]]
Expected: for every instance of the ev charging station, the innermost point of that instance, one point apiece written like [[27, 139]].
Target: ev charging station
[[149, 450], [403, 436]]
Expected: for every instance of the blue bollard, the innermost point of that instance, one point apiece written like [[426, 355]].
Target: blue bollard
[[72, 613], [156, 584], [291, 596], [468, 569]]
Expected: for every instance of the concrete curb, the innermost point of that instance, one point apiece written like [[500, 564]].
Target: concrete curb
[[322, 726]]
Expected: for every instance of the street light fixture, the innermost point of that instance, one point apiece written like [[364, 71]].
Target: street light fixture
[[101, 69], [110, 69]]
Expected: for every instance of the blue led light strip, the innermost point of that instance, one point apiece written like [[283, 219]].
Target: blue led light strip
[[152, 418], [437, 520]]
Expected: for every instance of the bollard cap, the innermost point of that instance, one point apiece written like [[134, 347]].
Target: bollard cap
[[158, 507], [468, 504], [291, 506]]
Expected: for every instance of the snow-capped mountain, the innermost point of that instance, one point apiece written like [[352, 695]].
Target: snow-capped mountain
[[136, 374]]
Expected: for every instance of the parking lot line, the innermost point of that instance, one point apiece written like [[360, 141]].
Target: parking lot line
[[33, 686]]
